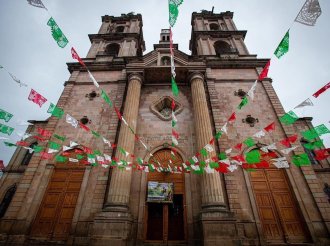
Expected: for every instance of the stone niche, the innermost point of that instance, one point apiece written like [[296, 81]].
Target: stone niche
[[162, 108]]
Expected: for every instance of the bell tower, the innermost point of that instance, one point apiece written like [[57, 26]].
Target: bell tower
[[216, 35], [118, 37]]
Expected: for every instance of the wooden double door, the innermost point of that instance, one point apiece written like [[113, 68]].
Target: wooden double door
[[166, 222], [278, 210], [55, 214]]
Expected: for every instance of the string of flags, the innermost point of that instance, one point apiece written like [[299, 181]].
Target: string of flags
[[175, 92], [281, 50], [173, 14], [173, 7], [4, 115], [37, 3], [287, 119], [309, 13], [223, 163], [37, 98]]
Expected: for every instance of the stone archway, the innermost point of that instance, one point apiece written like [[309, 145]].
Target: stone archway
[[166, 222]]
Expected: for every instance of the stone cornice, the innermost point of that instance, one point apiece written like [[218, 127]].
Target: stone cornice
[[165, 45], [220, 34], [97, 66], [236, 63], [114, 36], [91, 83]]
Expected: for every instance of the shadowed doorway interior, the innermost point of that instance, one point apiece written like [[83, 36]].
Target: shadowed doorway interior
[[166, 221]]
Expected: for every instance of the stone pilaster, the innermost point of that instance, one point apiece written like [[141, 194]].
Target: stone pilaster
[[113, 225]]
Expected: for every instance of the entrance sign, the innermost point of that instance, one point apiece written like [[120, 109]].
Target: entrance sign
[[160, 192]]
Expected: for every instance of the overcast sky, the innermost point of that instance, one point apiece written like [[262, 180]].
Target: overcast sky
[[28, 50]]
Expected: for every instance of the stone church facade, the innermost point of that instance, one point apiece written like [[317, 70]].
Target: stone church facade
[[44, 202]]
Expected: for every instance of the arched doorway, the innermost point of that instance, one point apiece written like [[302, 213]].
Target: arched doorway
[[279, 213], [166, 222], [55, 214]]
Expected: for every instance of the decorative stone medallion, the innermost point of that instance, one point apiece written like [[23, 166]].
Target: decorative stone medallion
[[162, 108]]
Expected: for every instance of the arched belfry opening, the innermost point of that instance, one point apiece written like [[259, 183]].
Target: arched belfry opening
[[222, 47], [165, 215], [112, 49], [120, 29], [214, 27]]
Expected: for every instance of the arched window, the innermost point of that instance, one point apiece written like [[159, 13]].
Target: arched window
[[222, 47], [28, 155], [214, 27], [120, 29], [113, 49], [7, 199]]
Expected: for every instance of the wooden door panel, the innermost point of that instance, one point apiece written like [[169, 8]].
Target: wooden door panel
[[56, 211], [276, 206], [295, 229], [257, 175], [52, 198], [57, 186], [48, 213], [283, 199], [178, 188], [278, 185], [267, 214], [272, 231], [61, 230], [74, 186], [263, 199], [260, 185]]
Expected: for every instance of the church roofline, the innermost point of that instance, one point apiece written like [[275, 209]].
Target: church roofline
[[211, 15], [123, 17]]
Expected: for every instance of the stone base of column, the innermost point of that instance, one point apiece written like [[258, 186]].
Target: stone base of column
[[219, 227], [112, 227]]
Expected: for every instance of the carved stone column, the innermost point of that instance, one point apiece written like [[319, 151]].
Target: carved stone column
[[120, 184], [212, 194], [217, 223], [113, 225]]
